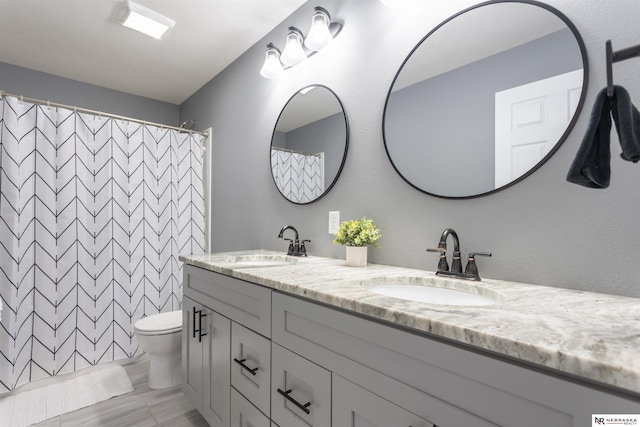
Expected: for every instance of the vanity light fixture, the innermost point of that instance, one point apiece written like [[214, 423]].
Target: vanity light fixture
[[293, 53], [297, 47], [272, 67], [145, 20]]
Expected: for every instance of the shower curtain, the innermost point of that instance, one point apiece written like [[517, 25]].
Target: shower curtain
[[94, 212], [298, 176]]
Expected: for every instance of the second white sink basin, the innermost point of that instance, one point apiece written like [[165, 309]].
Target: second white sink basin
[[431, 295]]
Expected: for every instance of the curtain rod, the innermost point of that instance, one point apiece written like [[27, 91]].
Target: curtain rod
[[286, 150], [99, 113]]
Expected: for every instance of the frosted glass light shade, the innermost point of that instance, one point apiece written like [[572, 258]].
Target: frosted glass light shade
[[319, 35], [272, 67], [145, 20], [293, 53]]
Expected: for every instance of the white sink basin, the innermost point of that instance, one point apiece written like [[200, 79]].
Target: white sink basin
[[431, 295], [256, 261], [433, 291]]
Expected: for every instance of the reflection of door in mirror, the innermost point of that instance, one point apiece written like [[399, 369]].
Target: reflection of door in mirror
[[529, 120]]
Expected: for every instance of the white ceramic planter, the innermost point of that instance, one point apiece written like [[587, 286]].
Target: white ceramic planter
[[357, 256]]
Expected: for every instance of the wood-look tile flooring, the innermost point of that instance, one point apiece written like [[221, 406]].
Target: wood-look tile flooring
[[141, 408]]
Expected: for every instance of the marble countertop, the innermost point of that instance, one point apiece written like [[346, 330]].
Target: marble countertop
[[585, 334]]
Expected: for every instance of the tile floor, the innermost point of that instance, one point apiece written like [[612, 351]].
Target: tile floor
[[140, 408]]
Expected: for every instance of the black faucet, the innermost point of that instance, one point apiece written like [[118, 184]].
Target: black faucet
[[470, 271], [296, 247]]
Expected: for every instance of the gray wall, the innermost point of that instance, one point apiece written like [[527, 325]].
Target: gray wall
[[35, 84], [425, 139], [543, 230]]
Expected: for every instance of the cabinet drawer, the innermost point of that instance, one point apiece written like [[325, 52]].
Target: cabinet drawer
[[243, 302], [301, 391], [354, 406], [244, 414], [251, 365]]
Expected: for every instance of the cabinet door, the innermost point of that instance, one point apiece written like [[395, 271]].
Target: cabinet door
[[354, 406], [216, 394], [300, 391], [251, 366], [244, 414], [191, 353]]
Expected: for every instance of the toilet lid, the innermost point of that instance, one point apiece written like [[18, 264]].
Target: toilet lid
[[160, 323]]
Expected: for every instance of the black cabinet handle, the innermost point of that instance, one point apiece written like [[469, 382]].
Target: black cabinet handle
[[241, 363], [200, 334], [199, 328], [295, 402], [194, 321]]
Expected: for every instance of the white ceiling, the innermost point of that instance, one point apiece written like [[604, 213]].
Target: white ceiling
[[82, 40]]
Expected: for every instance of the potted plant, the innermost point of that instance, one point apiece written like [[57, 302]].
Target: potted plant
[[357, 234]]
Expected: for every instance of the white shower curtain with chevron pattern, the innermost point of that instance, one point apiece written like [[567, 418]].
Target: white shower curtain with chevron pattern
[[298, 176], [94, 212]]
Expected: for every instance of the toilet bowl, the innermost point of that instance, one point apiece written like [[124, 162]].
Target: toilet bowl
[[160, 335]]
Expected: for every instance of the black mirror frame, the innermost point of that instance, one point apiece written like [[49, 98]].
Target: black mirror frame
[[346, 142], [563, 137]]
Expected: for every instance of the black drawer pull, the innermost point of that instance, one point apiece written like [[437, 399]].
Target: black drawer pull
[[241, 363], [295, 402]]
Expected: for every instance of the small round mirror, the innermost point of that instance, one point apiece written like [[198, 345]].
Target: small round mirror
[[309, 144], [485, 99]]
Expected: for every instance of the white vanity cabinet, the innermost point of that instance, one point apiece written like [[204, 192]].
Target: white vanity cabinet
[[225, 345], [258, 357], [438, 383]]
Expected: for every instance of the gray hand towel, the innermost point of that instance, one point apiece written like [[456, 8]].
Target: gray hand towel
[[591, 167]]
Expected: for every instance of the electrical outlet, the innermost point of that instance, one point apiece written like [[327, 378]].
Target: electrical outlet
[[334, 221]]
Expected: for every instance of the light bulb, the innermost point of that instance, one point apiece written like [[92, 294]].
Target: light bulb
[[293, 52], [272, 68], [319, 35]]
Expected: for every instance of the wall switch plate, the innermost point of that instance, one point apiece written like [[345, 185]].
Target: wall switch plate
[[334, 221]]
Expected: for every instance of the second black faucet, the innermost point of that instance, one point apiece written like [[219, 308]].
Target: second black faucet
[[471, 270]]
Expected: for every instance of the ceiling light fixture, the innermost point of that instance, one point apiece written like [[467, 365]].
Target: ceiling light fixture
[[297, 47], [145, 20]]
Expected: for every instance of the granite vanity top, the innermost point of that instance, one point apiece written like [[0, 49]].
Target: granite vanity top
[[585, 334]]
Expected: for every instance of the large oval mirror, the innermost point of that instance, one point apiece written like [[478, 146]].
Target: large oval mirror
[[309, 144], [485, 98]]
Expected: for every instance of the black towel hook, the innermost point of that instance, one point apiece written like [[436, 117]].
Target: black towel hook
[[618, 56]]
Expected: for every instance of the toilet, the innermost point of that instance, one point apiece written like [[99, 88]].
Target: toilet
[[160, 335]]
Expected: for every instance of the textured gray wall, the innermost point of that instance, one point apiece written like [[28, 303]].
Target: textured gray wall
[[543, 230], [35, 84]]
